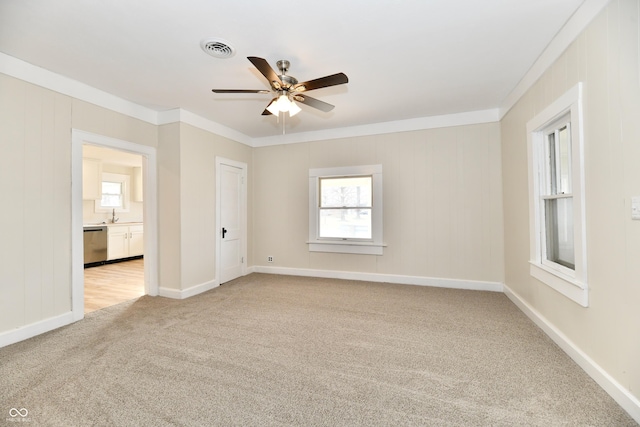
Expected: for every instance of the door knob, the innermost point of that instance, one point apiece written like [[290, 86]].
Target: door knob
[[224, 231]]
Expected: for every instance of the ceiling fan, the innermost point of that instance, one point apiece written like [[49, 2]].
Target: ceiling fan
[[287, 89]]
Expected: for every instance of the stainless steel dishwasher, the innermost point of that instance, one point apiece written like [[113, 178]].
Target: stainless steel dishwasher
[[95, 244]]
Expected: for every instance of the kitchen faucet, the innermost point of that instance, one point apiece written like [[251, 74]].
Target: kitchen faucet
[[113, 216]]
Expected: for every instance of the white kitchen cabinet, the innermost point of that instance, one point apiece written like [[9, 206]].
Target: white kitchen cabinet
[[136, 240], [136, 194], [124, 241], [91, 179]]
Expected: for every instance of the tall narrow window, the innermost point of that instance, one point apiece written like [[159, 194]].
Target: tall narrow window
[[556, 194], [557, 197]]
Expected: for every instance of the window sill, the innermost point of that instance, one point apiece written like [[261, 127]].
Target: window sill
[[364, 248], [567, 286]]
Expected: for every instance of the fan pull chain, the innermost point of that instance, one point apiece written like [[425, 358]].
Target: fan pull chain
[[283, 120]]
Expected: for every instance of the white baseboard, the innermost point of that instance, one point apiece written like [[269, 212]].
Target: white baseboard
[[28, 331], [189, 292], [383, 278], [629, 403]]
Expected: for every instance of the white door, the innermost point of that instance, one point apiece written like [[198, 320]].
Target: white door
[[231, 220]]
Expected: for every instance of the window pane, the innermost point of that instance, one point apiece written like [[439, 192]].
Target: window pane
[[345, 192], [111, 201], [564, 161], [111, 187], [552, 172], [111, 194], [345, 223], [559, 148], [559, 230]]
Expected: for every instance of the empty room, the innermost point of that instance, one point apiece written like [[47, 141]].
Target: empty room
[[320, 213]]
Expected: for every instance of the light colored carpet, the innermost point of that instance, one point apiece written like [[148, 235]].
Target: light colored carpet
[[267, 350]]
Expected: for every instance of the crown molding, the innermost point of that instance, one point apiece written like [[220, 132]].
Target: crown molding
[[184, 116], [561, 41], [30, 73], [39, 76], [421, 123]]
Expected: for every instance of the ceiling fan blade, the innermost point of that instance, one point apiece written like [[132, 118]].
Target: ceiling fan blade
[[240, 91], [315, 103], [263, 66], [332, 80]]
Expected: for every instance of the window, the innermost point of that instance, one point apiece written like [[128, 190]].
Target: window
[[556, 194], [112, 194], [345, 207], [345, 210], [115, 193]]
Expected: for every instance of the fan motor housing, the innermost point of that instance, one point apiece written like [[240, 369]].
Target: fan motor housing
[[288, 80], [283, 66]]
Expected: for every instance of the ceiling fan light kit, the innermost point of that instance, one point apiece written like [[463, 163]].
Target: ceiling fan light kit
[[293, 109], [283, 104], [287, 89]]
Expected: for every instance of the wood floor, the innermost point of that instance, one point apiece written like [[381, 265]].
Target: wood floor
[[111, 284]]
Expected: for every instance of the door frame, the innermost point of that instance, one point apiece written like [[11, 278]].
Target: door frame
[[243, 213], [150, 212]]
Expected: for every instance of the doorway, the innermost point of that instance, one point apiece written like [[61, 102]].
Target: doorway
[[148, 211], [113, 226]]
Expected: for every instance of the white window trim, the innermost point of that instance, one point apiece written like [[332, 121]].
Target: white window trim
[[570, 283], [374, 246], [126, 196]]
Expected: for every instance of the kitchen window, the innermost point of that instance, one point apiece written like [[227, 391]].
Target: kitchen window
[[115, 193], [556, 196], [345, 210], [112, 194]]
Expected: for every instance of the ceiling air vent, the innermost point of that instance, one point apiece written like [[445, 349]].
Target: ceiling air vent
[[218, 48]]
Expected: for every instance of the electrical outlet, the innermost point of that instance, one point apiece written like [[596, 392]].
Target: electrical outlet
[[269, 259]]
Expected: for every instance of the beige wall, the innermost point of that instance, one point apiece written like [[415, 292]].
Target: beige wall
[[606, 58], [35, 219], [442, 203], [187, 203], [169, 207], [101, 121], [35, 167], [198, 151]]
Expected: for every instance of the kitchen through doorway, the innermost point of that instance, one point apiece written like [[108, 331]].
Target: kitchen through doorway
[[113, 226]]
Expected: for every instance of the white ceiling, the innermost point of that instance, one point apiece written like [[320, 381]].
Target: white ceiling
[[405, 59]]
